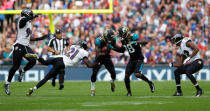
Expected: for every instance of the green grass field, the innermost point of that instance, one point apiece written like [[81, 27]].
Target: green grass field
[[76, 97]]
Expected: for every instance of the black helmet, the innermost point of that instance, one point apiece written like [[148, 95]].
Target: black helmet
[[27, 12], [108, 35], [123, 32], [58, 31], [83, 44], [177, 38]]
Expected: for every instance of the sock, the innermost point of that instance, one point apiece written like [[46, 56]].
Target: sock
[[127, 84], [34, 88], [145, 78], [112, 81], [92, 85], [197, 87], [8, 82], [178, 86]]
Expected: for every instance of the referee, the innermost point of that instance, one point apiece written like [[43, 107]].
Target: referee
[[57, 46]]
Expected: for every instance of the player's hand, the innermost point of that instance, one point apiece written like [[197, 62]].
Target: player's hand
[[186, 60], [57, 52], [171, 64]]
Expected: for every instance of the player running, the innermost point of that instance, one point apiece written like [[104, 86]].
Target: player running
[[75, 54], [103, 45], [132, 43], [191, 62], [21, 47]]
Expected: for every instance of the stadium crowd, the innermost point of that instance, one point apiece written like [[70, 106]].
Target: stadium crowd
[[152, 20]]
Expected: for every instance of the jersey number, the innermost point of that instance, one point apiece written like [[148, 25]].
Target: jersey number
[[72, 53], [130, 48], [28, 32]]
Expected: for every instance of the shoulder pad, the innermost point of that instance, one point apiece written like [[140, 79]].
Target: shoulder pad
[[135, 36]]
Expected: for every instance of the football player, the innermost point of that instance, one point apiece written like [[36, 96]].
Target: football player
[[103, 46], [75, 54], [133, 44], [191, 62], [21, 47]]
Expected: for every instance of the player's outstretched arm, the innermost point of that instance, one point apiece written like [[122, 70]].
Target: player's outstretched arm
[[23, 21], [40, 38], [118, 49], [89, 64]]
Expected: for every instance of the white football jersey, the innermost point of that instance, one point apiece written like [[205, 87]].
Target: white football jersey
[[188, 51], [74, 55], [24, 34]]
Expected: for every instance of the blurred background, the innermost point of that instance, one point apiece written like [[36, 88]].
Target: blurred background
[[152, 20]]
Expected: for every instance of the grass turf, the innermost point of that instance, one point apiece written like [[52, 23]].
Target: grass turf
[[76, 97]]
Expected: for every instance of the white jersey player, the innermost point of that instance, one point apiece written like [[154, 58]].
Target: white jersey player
[[191, 62], [21, 47], [75, 54]]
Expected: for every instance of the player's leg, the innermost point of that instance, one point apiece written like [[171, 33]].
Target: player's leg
[[29, 65], [191, 69], [177, 74], [58, 64], [128, 71], [18, 53], [110, 67], [93, 79], [61, 78], [138, 74], [53, 79]]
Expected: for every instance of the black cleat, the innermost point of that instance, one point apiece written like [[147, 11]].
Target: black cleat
[[199, 93], [178, 94], [30, 92], [61, 87], [53, 82], [112, 86], [128, 94], [7, 88], [152, 87], [21, 74]]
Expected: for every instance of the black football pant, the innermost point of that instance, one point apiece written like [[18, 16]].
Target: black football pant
[[19, 52], [108, 65], [188, 69], [58, 65]]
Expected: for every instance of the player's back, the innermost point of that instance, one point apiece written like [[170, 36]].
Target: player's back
[[74, 55], [24, 33]]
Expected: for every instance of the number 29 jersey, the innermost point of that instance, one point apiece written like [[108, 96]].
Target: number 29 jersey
[[74, 55], [24, 34], [134, 50]]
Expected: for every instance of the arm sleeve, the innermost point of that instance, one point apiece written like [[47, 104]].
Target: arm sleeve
[[67, 42]]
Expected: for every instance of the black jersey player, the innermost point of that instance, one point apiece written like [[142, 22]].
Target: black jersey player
[[132, 43], [103, 46], [21, 46]]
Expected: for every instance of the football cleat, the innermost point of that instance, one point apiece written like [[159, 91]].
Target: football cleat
[[21, 74], [92, 92], [30, 55], [152, 87], [30, 92], [128, 94], [61, 87], [112, 86], [199, 93], [7, 88], [178, 94]]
